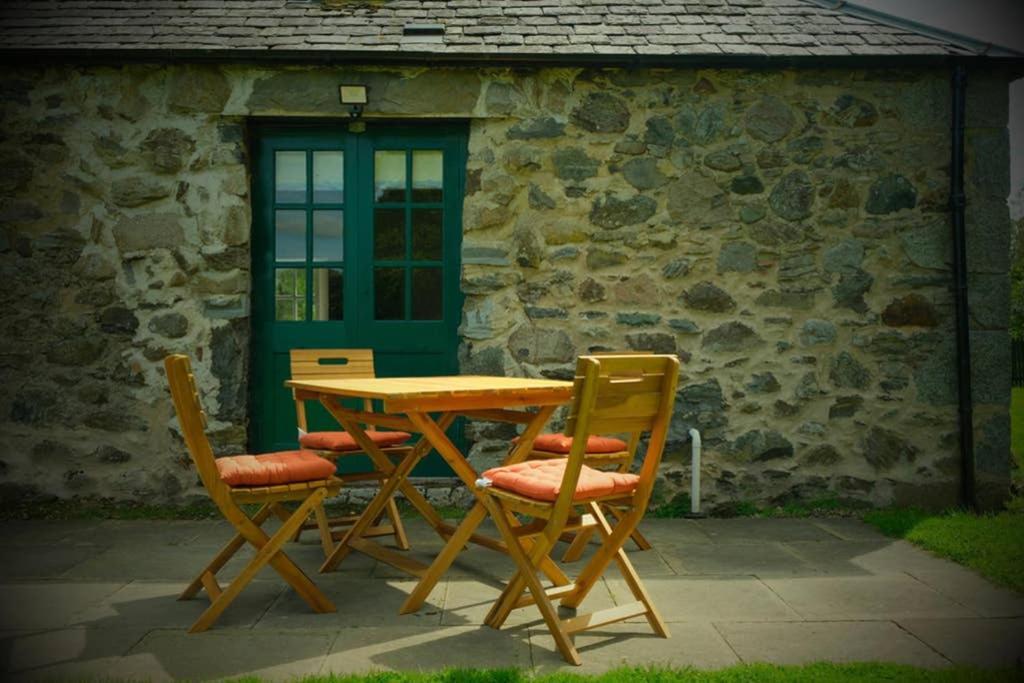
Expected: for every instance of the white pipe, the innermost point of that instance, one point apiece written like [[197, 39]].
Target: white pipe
[[694, 472]]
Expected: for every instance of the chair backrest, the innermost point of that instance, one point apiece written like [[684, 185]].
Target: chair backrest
[[621, 394], [192, 420], [332, 363], [634, 438], [329, 364]]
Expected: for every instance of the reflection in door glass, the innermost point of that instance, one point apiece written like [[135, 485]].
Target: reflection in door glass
[[427, 175], [389, 176], [328, 244], [426, 294], [289, 177], [426, 234], [389, 234], [290, 294], [389, 293], [328, 293], [328, 177], [290, 235]]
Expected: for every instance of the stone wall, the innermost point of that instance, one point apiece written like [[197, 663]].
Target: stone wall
[[785, 232]]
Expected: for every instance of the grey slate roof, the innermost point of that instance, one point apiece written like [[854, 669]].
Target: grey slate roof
[[482, 28]]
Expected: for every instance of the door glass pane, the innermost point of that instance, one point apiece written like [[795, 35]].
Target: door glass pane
[[289, 176], [389, 176], [329, 177], [389, 234], [427, 175], [327, 293], [327, 236], [426, 294], [426, 234], [290, 294], [290, 235], [389, 293]]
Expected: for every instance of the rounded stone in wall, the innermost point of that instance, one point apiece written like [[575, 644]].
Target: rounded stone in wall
[[769, 119]]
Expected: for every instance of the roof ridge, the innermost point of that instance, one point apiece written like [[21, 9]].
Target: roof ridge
[[975, 45]]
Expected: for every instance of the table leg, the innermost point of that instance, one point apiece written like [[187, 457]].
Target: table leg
[[444, 560], [384, 464], [395, 478], [457, 461]]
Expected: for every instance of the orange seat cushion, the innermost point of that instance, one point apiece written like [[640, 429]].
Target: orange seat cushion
[[542, 480], [560, 443], [282, 467], [343, 441]]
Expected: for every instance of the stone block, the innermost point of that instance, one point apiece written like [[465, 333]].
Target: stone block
[[988, 163], [988, 298], [988, 235], [990, 362], [147, 231]]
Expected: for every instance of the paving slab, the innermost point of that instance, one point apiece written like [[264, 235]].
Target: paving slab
[[646, 562], [759, 530], [977, 642], [765, 559], [629, 644], [71, 653], [43, 562], [678, 531], [846, 529], [167, 563], [403, 648], [44, 532], [272, 656], [705, 599], [359, 602], [49, 604], [135, 533], [972, 591], [469, 601], [865, 597], [863, 557], [151, 605], [833, 641]]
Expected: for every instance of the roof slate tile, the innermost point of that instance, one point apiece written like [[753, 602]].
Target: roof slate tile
[[478, 27]]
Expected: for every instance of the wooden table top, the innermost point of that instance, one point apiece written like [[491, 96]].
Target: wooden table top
[[468, 391]]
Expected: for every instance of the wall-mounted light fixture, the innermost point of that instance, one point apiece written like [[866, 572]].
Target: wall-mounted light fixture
[[355, 97]]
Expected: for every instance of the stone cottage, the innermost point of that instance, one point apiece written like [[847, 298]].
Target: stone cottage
[[761, 186]]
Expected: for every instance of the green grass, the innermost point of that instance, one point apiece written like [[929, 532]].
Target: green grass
[[993, 545], [746, 673]]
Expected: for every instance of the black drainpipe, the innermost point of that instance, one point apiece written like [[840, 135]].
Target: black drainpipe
[[957, 202]]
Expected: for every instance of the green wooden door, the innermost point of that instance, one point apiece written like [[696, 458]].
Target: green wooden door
[[356, 240]]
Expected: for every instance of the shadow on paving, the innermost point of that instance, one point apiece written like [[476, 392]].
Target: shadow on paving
[[98, 600]]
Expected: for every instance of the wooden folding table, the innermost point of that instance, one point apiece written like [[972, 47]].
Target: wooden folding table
[[406, 403]]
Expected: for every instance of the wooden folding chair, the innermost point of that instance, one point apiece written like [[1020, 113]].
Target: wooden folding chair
[[601, 453], [347, 364], [620, 394], [294, 476]]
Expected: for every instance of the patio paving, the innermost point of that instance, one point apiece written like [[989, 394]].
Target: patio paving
[[97, 599]]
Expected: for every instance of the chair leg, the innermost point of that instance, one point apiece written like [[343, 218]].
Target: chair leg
[[578, 545], [638, 538], [323, 525], [401, 540], [641, 541], [225, 554], [269, 551], [636, 587], [527, 572], [283, 513], [505, 603], [613, 543]]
